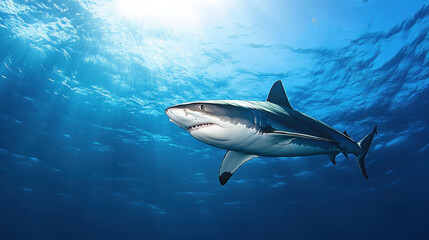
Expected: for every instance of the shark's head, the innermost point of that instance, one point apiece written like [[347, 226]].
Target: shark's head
[[227, 124], [215, 123]]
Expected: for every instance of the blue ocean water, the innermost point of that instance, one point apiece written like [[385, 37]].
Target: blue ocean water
[[86, 151]]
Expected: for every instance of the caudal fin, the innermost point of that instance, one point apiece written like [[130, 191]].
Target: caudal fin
[[364, 143]]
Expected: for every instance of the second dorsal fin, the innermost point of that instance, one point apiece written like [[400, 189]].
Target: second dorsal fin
[[278, 95], [345, 133]]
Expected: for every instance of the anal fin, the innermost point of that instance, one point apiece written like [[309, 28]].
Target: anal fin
[[230, 163], [344, 153]]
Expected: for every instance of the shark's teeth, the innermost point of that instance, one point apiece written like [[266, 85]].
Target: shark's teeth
[[199, 126]]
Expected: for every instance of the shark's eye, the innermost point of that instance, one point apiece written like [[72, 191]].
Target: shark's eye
[[202, 107]]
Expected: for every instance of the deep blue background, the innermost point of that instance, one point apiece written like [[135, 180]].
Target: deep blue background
[[86, 150]]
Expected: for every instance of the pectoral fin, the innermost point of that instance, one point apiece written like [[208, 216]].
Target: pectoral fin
[[231, 162]]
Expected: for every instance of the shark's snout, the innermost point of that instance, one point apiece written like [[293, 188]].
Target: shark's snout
[[178, 115], [169, 112], [188, 119], [172, 112]]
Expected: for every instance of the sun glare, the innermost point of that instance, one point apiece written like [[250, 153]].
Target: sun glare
[[166, 12]]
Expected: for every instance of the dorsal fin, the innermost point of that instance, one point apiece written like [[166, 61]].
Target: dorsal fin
[[278, 96]]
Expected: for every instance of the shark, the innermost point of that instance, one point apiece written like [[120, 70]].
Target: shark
[[271, 128]]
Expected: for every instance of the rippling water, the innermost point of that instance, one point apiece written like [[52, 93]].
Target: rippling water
[[86, 151]]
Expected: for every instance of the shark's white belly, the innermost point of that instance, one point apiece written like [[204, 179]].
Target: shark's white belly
[[247, 140], [267, 145]]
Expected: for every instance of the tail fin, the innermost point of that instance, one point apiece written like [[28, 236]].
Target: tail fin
[[364, 143]]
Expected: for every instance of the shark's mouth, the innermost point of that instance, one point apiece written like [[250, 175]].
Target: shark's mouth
[[199, 126]]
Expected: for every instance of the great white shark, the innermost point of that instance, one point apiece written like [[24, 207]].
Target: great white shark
[[248, 129]]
